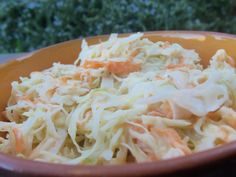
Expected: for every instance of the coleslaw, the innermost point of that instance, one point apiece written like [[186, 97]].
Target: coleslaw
[[124, 100]]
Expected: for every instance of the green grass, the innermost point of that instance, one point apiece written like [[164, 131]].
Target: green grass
[[27, 25]]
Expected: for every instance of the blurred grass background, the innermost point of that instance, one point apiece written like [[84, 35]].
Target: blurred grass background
[[26, 25]]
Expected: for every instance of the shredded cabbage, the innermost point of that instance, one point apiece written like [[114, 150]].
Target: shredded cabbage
[[123, 100]]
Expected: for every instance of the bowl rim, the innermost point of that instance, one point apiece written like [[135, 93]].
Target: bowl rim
[[18, 165]]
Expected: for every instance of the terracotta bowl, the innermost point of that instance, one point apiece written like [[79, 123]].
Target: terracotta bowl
[[205, 43]]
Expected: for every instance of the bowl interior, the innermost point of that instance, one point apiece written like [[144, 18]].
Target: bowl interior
[[205, 43]]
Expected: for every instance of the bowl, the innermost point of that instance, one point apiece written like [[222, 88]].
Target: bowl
[[205, 43]]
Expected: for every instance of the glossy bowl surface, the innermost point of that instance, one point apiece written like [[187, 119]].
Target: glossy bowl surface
[[205, 43]]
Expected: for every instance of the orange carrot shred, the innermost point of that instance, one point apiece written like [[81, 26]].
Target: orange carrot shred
[[173, 138], [19, 141], [93, 64], [122, 68], [115, 67]]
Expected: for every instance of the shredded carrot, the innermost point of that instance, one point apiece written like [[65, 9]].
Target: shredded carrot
[[156, 113], [122, 68], [19, 146], [93, 64], [149, 152], [175, 66], [126, 67], [119, 68], [172, 138]]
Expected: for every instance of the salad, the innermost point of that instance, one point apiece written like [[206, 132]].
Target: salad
[[124, 100]]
